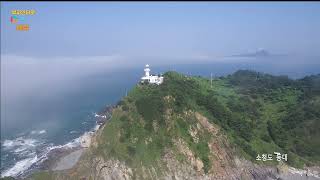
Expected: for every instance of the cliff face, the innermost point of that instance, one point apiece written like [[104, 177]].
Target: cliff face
[[176, 162], [187, 128]]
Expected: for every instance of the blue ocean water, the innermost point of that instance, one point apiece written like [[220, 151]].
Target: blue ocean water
[[49, 120], [43, 121]]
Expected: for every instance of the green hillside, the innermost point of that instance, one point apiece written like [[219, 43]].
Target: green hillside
[[258, 113], [191, 119]]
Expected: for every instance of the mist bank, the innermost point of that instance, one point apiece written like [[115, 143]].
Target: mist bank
[[30, 83]]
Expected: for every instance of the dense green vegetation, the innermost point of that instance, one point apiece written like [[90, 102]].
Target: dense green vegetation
[[42, 175], [7, 178], [291, 112], [259, 113]]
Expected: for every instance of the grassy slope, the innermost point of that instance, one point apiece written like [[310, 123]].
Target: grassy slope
[[243, 113], [258, 113]]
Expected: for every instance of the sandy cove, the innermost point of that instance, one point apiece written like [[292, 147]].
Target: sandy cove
[[68, 160]]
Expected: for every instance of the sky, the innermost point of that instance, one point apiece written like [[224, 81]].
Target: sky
[[161, 29], [70, 40], [75, 48]]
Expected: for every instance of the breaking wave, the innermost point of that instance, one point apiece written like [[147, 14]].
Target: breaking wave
[[26, 149], [39, 132], [19, 142], [20, 166]]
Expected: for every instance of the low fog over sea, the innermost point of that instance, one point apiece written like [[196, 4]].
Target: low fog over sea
[[46, 107]]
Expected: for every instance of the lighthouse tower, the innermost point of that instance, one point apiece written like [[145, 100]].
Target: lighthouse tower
[[147, 71], [152, 79]]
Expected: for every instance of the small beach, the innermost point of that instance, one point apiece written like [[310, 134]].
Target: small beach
[[68, 161], [67, 158]]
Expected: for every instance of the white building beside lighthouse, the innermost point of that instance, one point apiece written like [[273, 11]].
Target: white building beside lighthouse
[[152, 79]]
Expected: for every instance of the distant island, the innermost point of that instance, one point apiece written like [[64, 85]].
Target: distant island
[[258, 54], [247, 125]]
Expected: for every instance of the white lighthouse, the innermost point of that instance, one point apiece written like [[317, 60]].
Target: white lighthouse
[[152, 79], [147, 71]]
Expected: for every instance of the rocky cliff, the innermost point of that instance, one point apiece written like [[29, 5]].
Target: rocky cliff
[[188, 128]]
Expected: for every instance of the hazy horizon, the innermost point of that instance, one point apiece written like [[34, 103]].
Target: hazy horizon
[[162, 29], [69, 41], [79, 57]]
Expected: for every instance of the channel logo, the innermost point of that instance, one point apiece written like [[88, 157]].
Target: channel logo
[[15, 19]]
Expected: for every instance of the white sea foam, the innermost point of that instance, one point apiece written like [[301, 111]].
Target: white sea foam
[[96, 127], [20, 149], [20, 141], [32, 158], [97, 115], [20, 167], [303, 172], [21, 146], [42, 131], [72, 144], [39, 132]]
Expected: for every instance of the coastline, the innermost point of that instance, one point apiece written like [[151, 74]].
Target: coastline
[[65, 158], [69, 159], [87, 139], [58, 157], [281, 172]]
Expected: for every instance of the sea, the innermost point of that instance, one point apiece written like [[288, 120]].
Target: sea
[[38, 123]]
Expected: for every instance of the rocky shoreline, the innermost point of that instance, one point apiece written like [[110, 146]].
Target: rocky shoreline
[[64, 157], [56, 157], [61, 157]]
